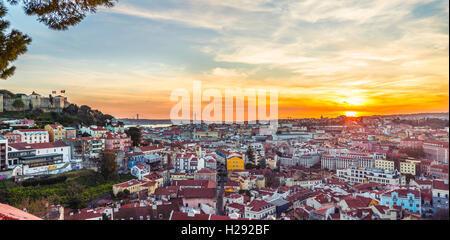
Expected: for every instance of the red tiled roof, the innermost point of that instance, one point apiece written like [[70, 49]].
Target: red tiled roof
[[31, 130], [150, 148], [192, 183], [323, 210], [258, 205], [441, 185], [184, 216], [27, 146], [84, 214], [204, 170], [198, 192], [11, 213], [238, 206]]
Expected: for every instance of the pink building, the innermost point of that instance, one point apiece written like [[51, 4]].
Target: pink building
[[411, 143], [439, 171], [436, 150], [12, 137], [363, 145], [194, 197], [117, 142]]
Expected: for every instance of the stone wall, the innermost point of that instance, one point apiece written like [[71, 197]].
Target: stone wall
[[33, 102], [1, 102]]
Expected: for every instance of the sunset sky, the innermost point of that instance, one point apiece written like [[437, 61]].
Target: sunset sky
[[324, 57]]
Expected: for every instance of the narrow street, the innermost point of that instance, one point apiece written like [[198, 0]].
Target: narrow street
[[221, 179]]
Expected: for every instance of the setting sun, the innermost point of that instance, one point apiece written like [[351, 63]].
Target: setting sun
[[351, 114]]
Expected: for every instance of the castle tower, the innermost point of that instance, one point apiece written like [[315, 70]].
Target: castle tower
[[59, 103], [35, 100]]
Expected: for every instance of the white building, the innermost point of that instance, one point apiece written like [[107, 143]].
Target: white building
[[140, 170], [188, 163], [39, 158], [31, 136], [259, 209], [94, 131], [331, 162], [363, 175]]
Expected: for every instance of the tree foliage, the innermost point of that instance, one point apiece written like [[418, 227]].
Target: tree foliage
[[413, 152], [135, 134], [18, 103], [272, 181], [250, 155], [81, 187], [61, 14], [108, 166], [56, 14], [45, 181], [12, 45]]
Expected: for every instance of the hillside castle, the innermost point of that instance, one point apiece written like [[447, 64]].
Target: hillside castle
[[34, 101]]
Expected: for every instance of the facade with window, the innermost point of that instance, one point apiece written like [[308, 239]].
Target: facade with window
[[405, 198], [364, 175], [56, 132], [259, 209], [39, 158], [440, 195], [32, 136]]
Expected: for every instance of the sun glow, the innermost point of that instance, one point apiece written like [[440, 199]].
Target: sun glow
[[351, 114], [357, 101]]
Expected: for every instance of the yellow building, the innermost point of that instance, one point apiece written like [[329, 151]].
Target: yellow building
[[261, 182], [56, 132], [181, 176], [135, 185], [385, 164], [408, 167], [132, 186], [154, 178], [235, 163], [151, 186]]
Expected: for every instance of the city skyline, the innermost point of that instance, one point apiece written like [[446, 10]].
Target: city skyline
[[347, 58]]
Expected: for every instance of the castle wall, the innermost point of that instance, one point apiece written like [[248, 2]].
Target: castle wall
[[35, 102], [1, 102]]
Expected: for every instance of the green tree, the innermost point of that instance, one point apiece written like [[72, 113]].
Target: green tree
[[56, 14], [12, 45], [272, 181], [18, 103], [413, 152], [72, 109], [73, 192], [250, 155], [135, 134], [108, 166]]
